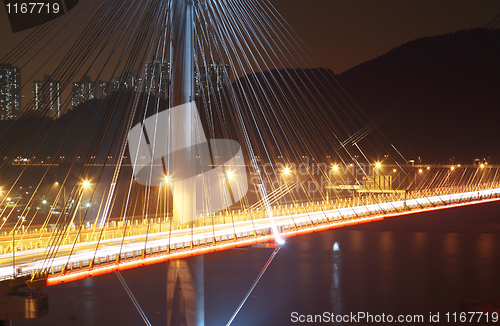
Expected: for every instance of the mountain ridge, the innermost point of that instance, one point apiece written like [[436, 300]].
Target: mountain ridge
[[446, 82]]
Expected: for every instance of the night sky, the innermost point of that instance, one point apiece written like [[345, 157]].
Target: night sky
[[343, 34]]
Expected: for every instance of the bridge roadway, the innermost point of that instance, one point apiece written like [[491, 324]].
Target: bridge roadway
[[114, 255]]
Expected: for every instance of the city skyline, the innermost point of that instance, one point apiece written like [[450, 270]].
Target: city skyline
[[210, 75], [47, 96], [355, 32]]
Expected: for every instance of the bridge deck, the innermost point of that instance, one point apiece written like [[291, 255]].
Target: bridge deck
[[81, 260]]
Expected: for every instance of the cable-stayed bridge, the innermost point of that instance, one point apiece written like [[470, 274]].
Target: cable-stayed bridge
[[150, 241], [215, 131]]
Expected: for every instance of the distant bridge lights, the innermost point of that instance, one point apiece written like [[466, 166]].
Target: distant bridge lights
[[378, 165]]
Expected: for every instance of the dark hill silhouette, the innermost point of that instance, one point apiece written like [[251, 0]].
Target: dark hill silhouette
[[439, 96], [446, 91], [436, 97]]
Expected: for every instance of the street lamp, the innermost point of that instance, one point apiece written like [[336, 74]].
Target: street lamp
[[64, 193], [85, 184]]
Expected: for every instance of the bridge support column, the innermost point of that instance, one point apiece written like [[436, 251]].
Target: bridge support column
[[23, 305], [185, 284], [186, 292], [183, 135]]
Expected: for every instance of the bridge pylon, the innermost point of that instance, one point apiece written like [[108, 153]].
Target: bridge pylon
[[185, 293]]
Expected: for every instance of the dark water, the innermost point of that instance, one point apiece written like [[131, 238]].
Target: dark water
[[409, 265]]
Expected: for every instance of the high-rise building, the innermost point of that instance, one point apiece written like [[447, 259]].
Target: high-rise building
[[87, 90], [113, 84], [10, 87], [100, 89], [128, 81], [82, 91], [47, 97], [211, 77], [131, 80], [157, 77]]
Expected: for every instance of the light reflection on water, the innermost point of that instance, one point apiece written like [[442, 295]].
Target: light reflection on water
[[336, 290]]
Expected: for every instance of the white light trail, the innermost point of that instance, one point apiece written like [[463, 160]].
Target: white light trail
[[28, 260]]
